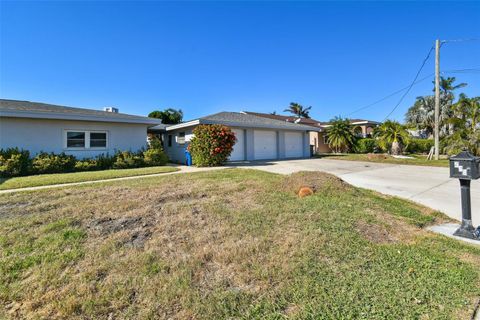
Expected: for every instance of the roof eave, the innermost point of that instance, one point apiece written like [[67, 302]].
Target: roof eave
[[365, 122], [183, 125], [59, 116]]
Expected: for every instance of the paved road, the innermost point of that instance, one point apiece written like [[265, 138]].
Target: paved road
[[430, 186]]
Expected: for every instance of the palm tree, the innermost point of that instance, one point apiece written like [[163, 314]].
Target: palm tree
[[422, 115], [447, 86], [466, 124], [298, 110], [468, 110], [393, 135], [340, 136]]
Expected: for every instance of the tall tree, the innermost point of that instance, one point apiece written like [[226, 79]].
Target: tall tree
[[468, 110], [448, 86], [421, 115], [393, 136], [466, 124], [447, 96], [168, 116], [340, 135], [298, 110]]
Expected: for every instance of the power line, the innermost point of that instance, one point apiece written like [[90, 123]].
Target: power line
[[388, 96], [460, 40], [471, 70], [411, 85]]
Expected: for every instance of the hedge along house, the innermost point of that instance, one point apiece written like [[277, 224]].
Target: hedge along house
[[257, 138], [83, 133]]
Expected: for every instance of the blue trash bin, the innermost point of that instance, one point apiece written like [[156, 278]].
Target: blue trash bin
[[188, 158]]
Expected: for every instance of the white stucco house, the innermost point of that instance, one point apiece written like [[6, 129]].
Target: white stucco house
[[83, 133], [258, 138]]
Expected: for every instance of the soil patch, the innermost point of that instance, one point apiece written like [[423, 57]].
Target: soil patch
[[377, 156], [375, 233], [397, 228], [138, 229], [317, 181]]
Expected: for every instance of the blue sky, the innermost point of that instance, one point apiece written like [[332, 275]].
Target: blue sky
[[205, 57]]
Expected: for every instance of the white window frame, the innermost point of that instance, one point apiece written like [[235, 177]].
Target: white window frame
[[181, 140], [325, 139], [87, 139]]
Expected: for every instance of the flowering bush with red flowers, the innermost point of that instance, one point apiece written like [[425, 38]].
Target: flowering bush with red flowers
[[211, 145]]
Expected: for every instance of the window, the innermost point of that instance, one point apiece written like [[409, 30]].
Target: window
[[325, 139], [75, 139], [169, 140], [85, 139], [98, 139], [181, 138]]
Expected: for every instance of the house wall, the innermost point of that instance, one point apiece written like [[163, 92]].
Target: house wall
[[365, 130], [317, 140], [176, 152], [47, 135]]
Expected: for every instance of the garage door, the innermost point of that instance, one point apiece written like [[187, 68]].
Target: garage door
[[293, 144], [265, 144], [238, 153]]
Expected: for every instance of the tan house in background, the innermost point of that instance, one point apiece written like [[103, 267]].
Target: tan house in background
[[318, 140]]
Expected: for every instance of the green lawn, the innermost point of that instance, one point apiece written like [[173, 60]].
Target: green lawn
[[228, 244], [419, 160], [60, 178]]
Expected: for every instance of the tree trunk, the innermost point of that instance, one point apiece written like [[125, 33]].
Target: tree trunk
[[396, 148]]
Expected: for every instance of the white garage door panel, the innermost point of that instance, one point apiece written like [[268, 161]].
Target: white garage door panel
[[238, 152], [293, 144], [265, 144]]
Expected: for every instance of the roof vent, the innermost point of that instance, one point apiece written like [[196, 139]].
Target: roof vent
[[111, 109]]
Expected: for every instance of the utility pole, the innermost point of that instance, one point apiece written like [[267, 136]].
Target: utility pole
[[437, 98]]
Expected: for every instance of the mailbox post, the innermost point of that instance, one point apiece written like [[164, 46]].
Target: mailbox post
[[465, 167]]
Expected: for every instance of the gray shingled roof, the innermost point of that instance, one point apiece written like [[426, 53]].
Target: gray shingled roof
[[27, 109], [305, 121], [159, 127], [237, 119]]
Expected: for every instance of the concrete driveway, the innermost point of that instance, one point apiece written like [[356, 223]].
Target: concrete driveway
[[430, 186]]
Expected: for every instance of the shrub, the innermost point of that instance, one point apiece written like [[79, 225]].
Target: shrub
[[211, 145], [86, 165], [128, 159], [154, 155], [417, 145], [365, 145], [53, 163], [104, 161], [14, 162]]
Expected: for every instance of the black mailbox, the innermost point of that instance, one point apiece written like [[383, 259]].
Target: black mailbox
[[465, 166]]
